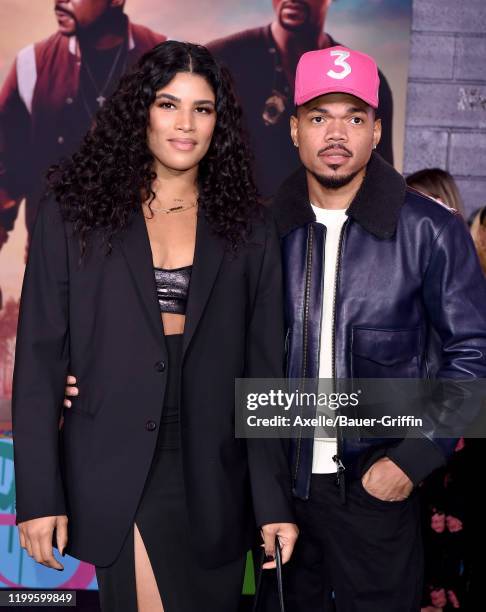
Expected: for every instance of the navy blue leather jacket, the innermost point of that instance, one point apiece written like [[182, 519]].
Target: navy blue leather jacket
[[409, 287]]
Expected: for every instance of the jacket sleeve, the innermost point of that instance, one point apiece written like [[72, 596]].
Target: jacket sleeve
[[454, 293], [268, 465], [15, 166], [41, 365]]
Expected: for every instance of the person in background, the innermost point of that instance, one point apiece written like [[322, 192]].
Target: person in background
[[448, 510], [477, 222], [474, 452], [262, 62], [447, 551], [437, 184], [53, 91]]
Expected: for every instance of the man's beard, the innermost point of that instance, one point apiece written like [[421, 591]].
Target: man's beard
[[335, 182], [297, 27]]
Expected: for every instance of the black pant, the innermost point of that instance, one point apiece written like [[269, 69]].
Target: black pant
[[364, 555]]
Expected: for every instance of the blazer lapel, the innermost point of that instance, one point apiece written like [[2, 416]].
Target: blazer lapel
[[208, 255], [138, 254]]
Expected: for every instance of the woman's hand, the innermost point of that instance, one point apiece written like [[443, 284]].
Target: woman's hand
[[286, 533], [36, 537], [70, 390]]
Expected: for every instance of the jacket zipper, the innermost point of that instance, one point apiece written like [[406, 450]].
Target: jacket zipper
[[339, 435], [310, 238]]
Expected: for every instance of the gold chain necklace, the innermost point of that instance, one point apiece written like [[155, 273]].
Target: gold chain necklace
[[173, 209]]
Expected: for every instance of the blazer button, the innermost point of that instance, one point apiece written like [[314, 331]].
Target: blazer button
[[150, 425], [160, 366]]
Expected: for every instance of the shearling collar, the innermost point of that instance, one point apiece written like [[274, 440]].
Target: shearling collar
[[376, 206]]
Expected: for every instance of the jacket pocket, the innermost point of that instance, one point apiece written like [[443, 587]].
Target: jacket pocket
[[385, 353], [369, 498], [79, 406]]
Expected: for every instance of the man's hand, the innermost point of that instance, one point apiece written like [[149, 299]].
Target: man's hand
[[36, 537], [70, 390], [386, 481], [287, 534]]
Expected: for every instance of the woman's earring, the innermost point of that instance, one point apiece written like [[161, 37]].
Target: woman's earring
[[295, 144]]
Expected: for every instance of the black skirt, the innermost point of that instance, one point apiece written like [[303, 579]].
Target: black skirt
[[162, 520]]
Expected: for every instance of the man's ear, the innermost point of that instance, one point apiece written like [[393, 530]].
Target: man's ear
[[376, 132], [294, 130]]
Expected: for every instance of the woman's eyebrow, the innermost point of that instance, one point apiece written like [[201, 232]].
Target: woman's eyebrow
[[204, 102], [168, 96], [176, 99]]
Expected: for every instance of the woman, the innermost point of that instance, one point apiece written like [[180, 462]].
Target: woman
[[439, 185], [154, 277], [477, 227]]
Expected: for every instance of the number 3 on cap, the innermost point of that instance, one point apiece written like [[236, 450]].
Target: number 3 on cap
[[340, 61]]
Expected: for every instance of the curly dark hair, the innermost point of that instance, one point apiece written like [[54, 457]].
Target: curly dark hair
[[106, 180]]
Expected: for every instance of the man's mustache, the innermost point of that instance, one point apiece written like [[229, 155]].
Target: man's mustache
[[295, 3], [291, 3], [59, 8], [335, 147]]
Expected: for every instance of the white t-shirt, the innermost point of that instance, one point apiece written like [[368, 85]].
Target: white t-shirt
[[326, 448]]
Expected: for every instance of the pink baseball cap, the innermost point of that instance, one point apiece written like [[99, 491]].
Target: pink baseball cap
[[336, 70]]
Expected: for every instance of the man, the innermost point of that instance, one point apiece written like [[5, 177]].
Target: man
[[262, 62], [375, 272], [53, 91]]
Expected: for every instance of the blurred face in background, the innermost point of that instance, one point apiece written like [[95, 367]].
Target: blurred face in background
[[181, 122], [297, 15], [73, 15]]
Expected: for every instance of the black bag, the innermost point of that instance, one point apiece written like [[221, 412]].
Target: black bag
[[257, 603]]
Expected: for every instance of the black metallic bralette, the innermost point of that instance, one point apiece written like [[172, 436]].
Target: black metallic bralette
[[172, 288]]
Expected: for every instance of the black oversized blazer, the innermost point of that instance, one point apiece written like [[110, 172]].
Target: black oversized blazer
[[100, 320]]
